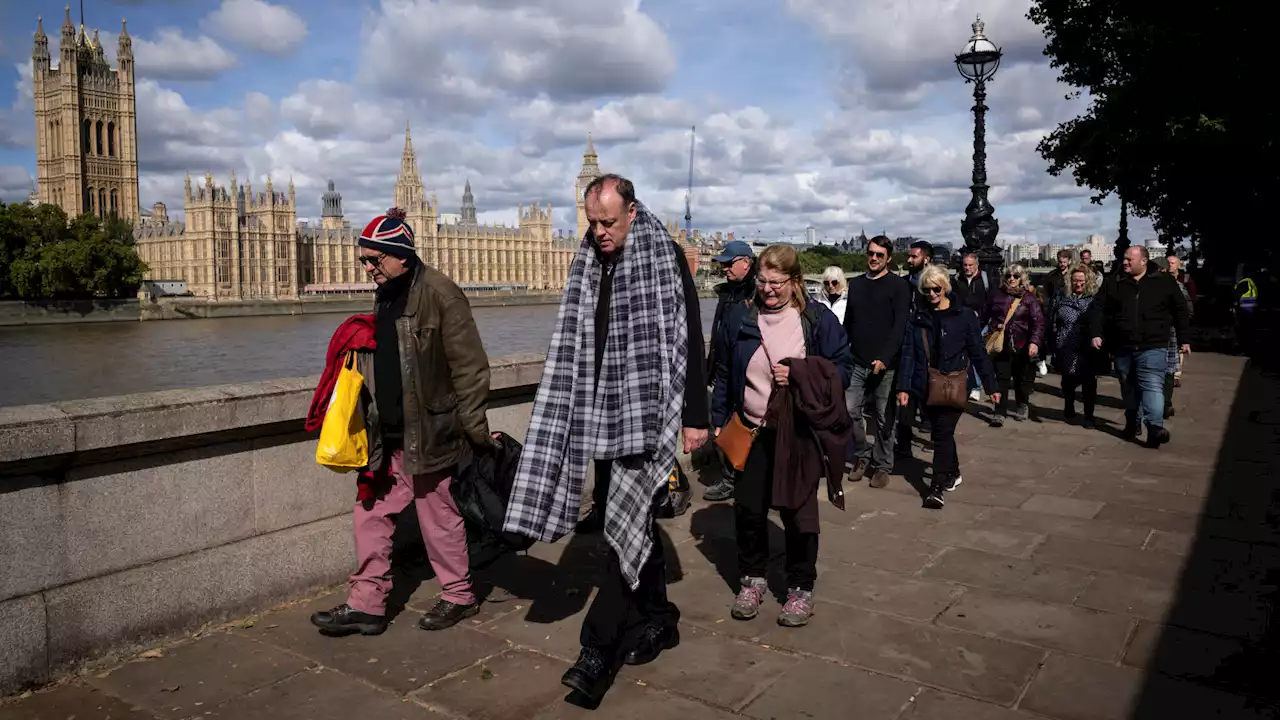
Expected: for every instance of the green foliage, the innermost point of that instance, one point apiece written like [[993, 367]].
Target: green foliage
[[817, 259], [1168, 123], [44, 256]]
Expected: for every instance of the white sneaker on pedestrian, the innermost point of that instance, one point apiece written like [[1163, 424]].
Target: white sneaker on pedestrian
[[975, 395], [1042, 368]]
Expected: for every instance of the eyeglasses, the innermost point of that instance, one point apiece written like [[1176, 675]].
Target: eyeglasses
[[833, 283], [1012, 276], [374, 261], [874, 254], [931, 290], [772, 284]]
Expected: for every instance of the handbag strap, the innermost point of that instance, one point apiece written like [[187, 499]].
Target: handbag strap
[[924, 337]]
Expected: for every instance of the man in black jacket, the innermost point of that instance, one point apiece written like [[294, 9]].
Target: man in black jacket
[[1054, 285], [970, 288], [739, 265], [1135, 310]]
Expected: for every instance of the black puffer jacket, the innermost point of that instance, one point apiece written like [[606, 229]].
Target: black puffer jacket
[[1138, 314]]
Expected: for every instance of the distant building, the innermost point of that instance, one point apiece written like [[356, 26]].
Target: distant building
[[811, 235]]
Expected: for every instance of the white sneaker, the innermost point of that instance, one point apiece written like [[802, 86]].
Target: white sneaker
[[975, 395], [1042, 369], [955, 483]]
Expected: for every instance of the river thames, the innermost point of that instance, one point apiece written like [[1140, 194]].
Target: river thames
[[52, 363]]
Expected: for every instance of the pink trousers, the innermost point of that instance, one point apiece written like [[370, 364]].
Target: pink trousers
[[443, 531]]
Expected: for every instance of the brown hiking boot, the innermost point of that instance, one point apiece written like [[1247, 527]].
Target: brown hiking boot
[[880, 479], [859, 470]]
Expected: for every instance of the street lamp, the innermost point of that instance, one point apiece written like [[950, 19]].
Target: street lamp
[[977, 63]]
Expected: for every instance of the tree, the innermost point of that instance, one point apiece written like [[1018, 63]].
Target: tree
[[1171, 117], [42, 256]]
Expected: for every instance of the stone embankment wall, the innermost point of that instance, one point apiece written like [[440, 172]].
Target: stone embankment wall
[[129, 518]]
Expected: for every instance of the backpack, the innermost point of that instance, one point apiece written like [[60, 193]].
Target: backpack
[[481, 491]]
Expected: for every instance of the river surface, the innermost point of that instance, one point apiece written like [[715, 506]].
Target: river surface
[[52, 363]]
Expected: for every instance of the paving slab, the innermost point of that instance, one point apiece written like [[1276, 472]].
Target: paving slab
[[510, 686], [1109, 558], [975, 536], [629, 701], [1068, 527], [883, 591], [934, 705], [1009, 575], [1035, 622], [71, 701], [1064, 506], [321, 694], [817, 689], [720, 671]]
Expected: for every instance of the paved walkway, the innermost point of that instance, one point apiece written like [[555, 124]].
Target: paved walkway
[[1072, 576]]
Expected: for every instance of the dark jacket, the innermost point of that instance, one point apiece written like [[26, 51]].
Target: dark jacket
[[740, 338], [444, 372], [972, 293], [958, 345], [1138, 315], [1026, 327], [481, 491], [729, 294], [1053, 283]]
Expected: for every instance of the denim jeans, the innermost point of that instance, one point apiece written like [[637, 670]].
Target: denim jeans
[[877, 415], [1141, 374]]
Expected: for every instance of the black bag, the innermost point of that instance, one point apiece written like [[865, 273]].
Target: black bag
[[481, 491]]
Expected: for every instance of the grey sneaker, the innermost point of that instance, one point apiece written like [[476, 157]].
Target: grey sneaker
[[1021, 413], [798, 608], [722, 490], [859, 469], [747, 604]]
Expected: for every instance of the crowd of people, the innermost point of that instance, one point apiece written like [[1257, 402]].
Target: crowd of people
[[795, 389]]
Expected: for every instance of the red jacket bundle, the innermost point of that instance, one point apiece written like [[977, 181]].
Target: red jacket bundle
[[355, 333]]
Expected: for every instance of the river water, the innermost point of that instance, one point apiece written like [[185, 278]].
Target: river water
[[52, 363]]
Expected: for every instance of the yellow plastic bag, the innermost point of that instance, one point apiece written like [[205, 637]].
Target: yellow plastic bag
[[344, 442]]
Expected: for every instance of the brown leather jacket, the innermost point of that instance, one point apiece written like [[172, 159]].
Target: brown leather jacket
[[445, 373]]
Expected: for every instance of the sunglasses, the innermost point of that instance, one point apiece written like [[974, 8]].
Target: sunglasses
[[365, 260], [874, 254], [832, 283], [931, 290], [1012, 276]]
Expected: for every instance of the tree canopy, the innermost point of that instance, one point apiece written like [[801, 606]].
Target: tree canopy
[[1178, 125], [44, 256]]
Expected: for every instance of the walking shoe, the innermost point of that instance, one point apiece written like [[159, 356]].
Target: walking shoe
[[342, 620], [592, 523], [679, 501], [798, 608], [588, 677], [952, 483], [1156, 436], [1020, 413], [880, 479], [747, 604], [996, 419], [859, 470], [1042, 369], [934, 500], [446, 614], [1069, 412], [1089, 423], [1130, 431], [722, 490], [975, 395], [653, 640]]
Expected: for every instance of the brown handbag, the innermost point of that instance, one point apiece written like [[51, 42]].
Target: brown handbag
[[735, 441], [946, 389], [995, 340]]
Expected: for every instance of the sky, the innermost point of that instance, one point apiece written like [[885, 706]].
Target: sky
[[843, 115]]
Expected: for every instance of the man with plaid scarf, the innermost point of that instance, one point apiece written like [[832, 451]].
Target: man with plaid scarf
[[627, 344]]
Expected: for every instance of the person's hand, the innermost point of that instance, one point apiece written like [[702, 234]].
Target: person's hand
[[781, 374], [995, 398], [1097, 343], [999, 327], [694, 438], [904, 399], [877, 367], [1033, 350], [718, 432], [1185, 350]]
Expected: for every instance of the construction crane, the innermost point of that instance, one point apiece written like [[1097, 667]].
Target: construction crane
[[688, 196]]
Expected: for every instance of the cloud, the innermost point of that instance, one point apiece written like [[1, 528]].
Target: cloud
[[259, 26], [17, 124], [15, 183], [174, 56]]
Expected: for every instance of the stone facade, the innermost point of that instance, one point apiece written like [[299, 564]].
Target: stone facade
[[86, 127]]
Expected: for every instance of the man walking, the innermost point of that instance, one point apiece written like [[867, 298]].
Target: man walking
[[1053, 285], [739, 265], [430, 410], [874, 320], [624, 373], [919, 256], [970, 288], [1137, 308]]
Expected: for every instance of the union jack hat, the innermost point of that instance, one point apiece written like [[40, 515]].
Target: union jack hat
[[390, 234]]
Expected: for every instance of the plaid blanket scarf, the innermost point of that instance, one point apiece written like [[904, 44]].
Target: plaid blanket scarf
[[631, 416]]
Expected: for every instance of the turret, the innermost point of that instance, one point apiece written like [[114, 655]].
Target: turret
[[67, 47], [124, 50], [40, 49], [187, 186]]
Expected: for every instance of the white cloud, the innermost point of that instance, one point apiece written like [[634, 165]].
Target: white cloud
[[15, 183], [174, 56], [260, 26]]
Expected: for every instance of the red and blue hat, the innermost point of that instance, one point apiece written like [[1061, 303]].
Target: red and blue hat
[[390, 234]]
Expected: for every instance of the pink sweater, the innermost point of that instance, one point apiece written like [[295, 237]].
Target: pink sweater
[[782, 335]]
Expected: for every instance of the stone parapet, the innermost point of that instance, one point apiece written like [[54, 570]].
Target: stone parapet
[[128, 518]]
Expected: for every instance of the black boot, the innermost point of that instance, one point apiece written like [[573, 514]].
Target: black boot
[[588, 678], [652, 641], [1168, 396], [1156, 436], [446, 614], [342, 620]]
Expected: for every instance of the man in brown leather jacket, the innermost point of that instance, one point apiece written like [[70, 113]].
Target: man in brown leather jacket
[[430, 389]]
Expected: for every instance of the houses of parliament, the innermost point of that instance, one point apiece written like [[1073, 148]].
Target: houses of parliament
[[235, 243]]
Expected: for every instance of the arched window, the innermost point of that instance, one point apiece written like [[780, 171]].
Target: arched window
[[86, 137], [114, 210], [98, 135], [102, 202], [111, 139]]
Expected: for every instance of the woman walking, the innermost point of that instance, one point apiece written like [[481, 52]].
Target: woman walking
[[1016, 324], [835, 292], [943, 338], [780, 324], [1077, 360]]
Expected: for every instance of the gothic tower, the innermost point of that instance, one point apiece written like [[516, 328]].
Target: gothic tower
[[468, 206], [590, 171], [86, 124], [331, 214], [420, 212]]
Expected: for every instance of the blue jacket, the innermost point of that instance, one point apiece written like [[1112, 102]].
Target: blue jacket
[[824, 336], [961, 343]]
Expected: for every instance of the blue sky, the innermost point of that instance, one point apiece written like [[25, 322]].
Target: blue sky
[[828, 113]]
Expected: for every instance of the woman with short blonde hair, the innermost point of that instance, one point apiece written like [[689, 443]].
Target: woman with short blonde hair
[[1015, 322], [835, 291]]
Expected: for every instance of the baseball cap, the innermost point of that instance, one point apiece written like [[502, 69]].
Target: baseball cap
[[734, 250]]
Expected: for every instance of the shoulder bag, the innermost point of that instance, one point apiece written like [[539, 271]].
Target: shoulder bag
[[735, 438], [946, 389], [995, 340]]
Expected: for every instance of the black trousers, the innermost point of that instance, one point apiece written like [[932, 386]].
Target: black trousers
[[618, 613], [1016, 369], [751, 502], [1088, 384], [946, 461]]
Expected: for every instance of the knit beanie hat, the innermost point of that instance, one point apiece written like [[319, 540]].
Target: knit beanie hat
[[390, 234]]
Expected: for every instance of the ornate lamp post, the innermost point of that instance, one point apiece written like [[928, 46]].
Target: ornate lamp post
[[977, 64], [1122, 242]]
